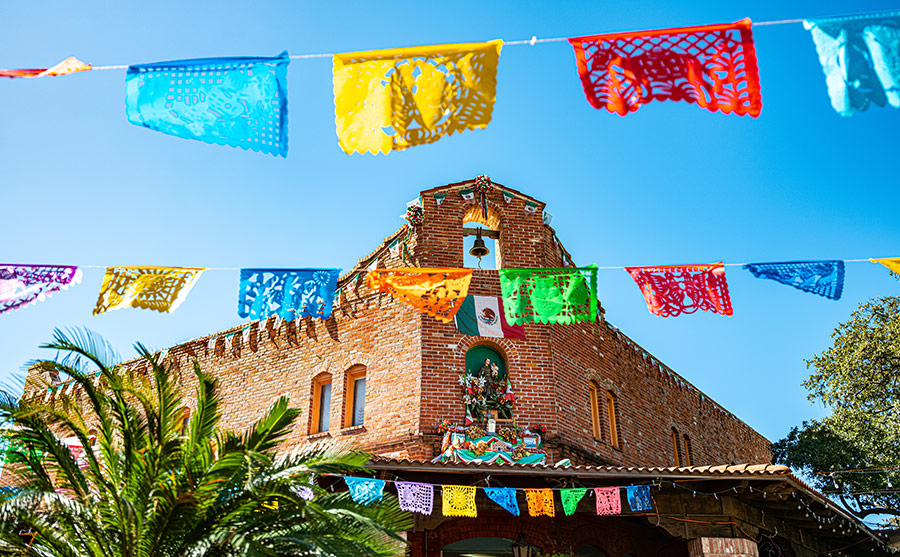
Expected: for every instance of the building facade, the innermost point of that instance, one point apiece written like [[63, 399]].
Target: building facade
[[382, 377]]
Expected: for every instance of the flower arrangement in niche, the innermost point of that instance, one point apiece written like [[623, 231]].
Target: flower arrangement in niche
[[474, 432], [445, 426], [540, 429], [480, 448], [520, 452]]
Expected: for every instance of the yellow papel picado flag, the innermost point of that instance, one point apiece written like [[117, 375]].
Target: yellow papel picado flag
[[158, 288]]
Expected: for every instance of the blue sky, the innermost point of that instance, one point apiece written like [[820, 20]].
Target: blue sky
[[669, 184]]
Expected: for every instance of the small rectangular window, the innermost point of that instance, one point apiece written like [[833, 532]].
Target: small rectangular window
[[611, 416], [688, 459], [675, 450], [321, 410], [597, 430], [359, 400]]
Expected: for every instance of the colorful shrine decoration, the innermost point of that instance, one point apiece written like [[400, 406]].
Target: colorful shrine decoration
[[608, 500], [860, 56], [393, 99], [21, 285], [825, 278], [458, 500], [484, 316], [474, 445], [365, 491], [557, 295], [891, 263], [68, 66], [483, 186], [639, 498], [415, 497], [713, 66], [161, 289], [240, 102], [434, 291], [570, 498], [540, 502], [288, 293], [671, 290], [505, 497]]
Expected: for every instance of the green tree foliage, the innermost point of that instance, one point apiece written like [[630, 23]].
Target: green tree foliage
[[858, 378], [150, 486]]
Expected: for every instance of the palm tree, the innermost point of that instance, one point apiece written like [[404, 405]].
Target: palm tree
[[152, 486]]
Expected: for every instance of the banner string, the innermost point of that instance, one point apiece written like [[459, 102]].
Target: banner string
[[621, 267], [534, 40]]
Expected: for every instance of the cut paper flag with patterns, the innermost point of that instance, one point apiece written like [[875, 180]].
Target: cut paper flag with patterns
[[415, 497], [365, 490], [713, 66], [437, 292], [288, 293], [860, 56], [505, 497], [570, 499], [393, 99], [458, 500], [562, 296], [240, 102], [68, 66], [608, 499], [671, 290], [891, 263], [540, 502], [161, 289], [21, 285], [639, 498], [483, 316], [825, 278]]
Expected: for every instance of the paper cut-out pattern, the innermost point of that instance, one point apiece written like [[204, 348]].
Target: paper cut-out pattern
[[365, 490], [639, 497], [570, 498], [892, 263], [437, 292], [161, 289], [21, 285], [394, 99], [608, 500], [562, 295], [68, 66], [540, 502], [505, 497], [240, 102], [860, 56], [415, 497], [713, 66], [288, 293], [825, 278], [458, 500], [675, 289]]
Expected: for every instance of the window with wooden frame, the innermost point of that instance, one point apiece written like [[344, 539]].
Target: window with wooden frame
[[612, 419], [686, 447], [355, 397], [185, 420], [676, 449], [595, 410], [321, 403]]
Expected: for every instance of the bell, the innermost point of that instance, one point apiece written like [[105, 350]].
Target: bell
[[479, 250]]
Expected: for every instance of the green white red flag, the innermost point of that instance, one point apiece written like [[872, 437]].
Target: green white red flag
[[483, 316]]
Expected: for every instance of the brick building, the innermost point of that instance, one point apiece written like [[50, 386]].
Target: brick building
[[382, 376]]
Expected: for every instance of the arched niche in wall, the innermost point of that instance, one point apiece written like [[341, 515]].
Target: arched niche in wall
[[474, 218], [488, 392]]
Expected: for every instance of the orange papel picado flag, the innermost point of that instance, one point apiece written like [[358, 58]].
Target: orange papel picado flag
[[540, 502], [162, 289], [394, 99], [435, 291]]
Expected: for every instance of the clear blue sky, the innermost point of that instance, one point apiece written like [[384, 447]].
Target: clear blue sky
[[669, 184]]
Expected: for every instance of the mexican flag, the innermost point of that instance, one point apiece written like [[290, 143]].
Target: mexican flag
[[483, 316]]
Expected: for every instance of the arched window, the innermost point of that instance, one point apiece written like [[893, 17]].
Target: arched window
[[596, 426], [355, 396], [496, 397], [686, 447], [611, 416], [321, 403], [676, 447]]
